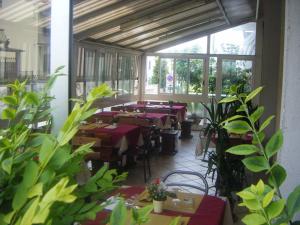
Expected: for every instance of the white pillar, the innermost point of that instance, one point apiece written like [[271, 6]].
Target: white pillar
[[59, 55], [290, 110]]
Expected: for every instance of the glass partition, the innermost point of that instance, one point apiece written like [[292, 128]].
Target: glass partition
[[152, 75]]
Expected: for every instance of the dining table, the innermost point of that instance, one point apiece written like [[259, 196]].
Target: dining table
[[204, 210], [161, 120], [122, 135], [178, 110]]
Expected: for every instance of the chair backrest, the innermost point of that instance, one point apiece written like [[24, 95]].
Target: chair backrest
[[104, 137], [186, 180], [82, 140]]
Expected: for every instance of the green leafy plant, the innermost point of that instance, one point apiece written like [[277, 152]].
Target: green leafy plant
[[264, 200], [38, 170]]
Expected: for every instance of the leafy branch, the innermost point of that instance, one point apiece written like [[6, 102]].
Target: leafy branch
[[265, 201]]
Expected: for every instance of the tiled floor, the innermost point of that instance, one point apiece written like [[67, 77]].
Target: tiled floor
[[162, 164]]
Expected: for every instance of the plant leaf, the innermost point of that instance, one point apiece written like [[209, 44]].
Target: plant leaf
[[268, 198], [238, 127], [254, 219], [244, 149], [257, 114], [293, 202], [253, 94], [266, 123], [274, 144], [8, 114], [256, 163], [119, 214], [275, 208], [228, 99], [279, 175], [7, 165]]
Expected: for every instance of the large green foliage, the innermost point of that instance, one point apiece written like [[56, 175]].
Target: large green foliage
[[264, 201], [38, 169]]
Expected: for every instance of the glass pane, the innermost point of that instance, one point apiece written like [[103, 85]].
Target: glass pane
[[24, 42], [166, 75], [152, 75], [100, 70], [124, 74], [195, 46], [89, 64], [196, 76], [182, 75], [212, 76], [236, 72], [239, 40]]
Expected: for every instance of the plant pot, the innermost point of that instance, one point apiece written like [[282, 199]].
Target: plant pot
[[158, 206]]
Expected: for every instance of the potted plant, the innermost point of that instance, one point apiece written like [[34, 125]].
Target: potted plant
[[158, 193]]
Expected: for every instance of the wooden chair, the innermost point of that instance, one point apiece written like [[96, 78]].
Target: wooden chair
[[95, 156], [109, 154]]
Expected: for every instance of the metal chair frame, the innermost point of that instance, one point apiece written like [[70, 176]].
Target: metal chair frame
[[178, 184]]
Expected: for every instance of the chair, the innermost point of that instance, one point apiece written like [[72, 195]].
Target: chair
[[145, 151], [109, 154], [188, 177], [95, 156]]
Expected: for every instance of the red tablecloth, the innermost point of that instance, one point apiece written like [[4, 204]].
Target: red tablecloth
[[131, 132], [174, 109], [107, 113], [210, 212]]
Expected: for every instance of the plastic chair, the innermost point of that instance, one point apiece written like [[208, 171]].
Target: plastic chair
[[186, 184]]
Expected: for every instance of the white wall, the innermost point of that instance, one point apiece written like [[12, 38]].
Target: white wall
[[60, 56], [290, 109]]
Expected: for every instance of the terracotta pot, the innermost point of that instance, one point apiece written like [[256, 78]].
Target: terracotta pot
[[158, 206]]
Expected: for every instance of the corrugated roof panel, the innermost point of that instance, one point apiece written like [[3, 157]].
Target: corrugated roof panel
[[163, 21], [180, 33], [114, 14], [172, 27]]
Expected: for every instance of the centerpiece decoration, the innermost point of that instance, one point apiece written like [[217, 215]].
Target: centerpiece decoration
[[158, 193]]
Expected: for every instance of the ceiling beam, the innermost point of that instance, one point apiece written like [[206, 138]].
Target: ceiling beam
[[183, 32], [116, 22], [171, 27], [220, 5], [175, 15]]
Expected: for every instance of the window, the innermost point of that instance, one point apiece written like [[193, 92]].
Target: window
[[243, 42], [181, 76], [152, 75], [236, 72], [166, 79], [212, 76], [24, 43], [195, 46], [196, 76]]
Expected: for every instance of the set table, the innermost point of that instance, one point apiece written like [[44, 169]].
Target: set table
[[207, 210]]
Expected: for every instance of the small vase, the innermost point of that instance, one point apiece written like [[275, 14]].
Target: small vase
[[158, 206]]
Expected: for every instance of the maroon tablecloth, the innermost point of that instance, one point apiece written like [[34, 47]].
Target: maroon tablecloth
[[174, 109], [107, 113], [131, 132], [210, 211]]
